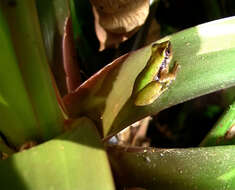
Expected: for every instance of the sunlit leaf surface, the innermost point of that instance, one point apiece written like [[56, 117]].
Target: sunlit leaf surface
[[206, 54], [74, 160]]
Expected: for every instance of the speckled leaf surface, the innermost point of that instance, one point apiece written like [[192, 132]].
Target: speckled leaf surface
[[173, 169]]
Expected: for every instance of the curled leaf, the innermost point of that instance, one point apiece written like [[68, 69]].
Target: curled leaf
[[116, 21]]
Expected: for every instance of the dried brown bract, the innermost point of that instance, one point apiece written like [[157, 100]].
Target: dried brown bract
[[117, 20]]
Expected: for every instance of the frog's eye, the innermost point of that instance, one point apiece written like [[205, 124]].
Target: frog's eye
[[168, 51]]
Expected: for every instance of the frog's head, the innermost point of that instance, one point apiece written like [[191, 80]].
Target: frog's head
[[164, 49]]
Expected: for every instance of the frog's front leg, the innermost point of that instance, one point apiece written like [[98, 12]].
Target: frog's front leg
[[149, 93], [166, 77]]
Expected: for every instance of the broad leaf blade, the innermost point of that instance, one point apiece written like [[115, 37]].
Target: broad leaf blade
[[16, 112], [205, 53], [168, 169], [26, 36], [75, 160]]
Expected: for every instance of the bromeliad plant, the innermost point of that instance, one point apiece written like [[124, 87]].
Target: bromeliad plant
[[69, 130]]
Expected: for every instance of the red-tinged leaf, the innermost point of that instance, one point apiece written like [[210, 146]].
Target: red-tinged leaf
[[71, 67]]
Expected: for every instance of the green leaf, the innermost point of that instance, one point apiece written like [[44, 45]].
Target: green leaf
[[168, 169], [74, 160], [4, 148], [17, 114], [82, 19], [33, 64], [206, 54], [52, 17], [223, 131]]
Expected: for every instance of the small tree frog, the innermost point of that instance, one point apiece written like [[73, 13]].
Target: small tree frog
[[155, 78]]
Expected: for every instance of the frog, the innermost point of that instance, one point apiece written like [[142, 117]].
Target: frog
[[156, 77]]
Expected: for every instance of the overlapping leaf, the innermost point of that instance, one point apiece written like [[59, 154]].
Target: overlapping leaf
[[205, 54]]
